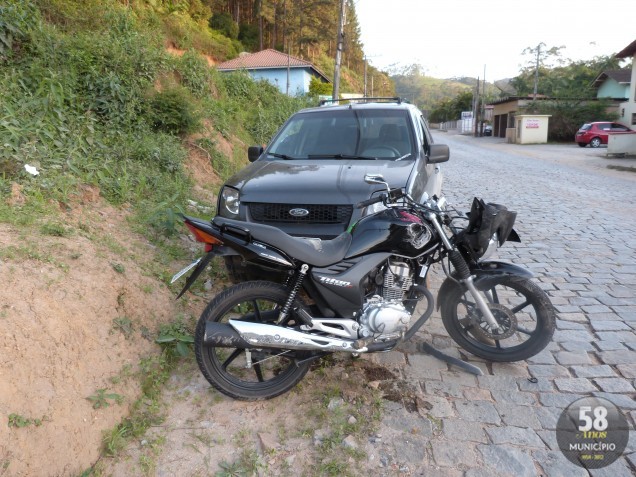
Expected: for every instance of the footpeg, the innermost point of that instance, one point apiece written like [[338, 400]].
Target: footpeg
[[303, 316]]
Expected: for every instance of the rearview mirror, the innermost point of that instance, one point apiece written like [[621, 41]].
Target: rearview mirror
[[254, 152], [438, 153]]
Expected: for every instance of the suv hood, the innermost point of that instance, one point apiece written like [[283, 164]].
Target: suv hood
[[310, 182]]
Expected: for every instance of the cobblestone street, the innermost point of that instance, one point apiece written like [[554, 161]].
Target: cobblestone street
[[578, 230]]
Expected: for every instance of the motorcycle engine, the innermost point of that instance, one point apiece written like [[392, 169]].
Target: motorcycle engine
[[386, 315]]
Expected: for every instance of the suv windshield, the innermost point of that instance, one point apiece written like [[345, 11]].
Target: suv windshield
[[345, 134]]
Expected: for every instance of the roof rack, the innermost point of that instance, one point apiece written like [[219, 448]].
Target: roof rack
[[395, 99]]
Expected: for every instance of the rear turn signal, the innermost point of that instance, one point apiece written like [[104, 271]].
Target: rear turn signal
[[204, 237]]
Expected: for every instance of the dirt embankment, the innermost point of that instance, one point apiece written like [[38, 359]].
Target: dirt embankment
[[73, 309]]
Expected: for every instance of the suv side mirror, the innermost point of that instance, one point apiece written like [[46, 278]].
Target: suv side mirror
[[254, 152], [438, 153]]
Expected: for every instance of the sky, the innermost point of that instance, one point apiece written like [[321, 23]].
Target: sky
[[454, 38]]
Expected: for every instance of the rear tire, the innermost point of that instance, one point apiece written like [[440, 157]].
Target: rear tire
[[517, 303], [274, 371]]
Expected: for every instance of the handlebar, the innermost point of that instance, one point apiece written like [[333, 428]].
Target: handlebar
[[391, 196]]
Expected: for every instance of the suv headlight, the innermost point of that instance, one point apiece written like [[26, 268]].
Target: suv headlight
[[229, 202]]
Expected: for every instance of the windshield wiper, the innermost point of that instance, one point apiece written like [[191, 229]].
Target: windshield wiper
[[282, 156], [340, 156]]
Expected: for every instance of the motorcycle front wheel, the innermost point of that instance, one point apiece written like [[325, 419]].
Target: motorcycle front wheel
[[272, 371], [523, 311]]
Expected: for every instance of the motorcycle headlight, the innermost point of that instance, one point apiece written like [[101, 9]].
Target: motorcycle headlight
[[229, 202], [493, 245]]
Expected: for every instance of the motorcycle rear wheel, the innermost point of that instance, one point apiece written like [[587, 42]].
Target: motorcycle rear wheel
[[517, 303], [273, 371]]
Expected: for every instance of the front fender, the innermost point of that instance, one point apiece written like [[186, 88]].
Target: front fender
[[484, 271]]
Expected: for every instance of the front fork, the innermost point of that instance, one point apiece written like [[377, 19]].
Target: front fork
[[464, 275]]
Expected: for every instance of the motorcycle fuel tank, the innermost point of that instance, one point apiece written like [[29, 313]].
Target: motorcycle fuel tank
[[394, 230]]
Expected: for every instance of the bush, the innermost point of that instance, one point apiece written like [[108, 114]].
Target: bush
[[173, 111], [195, 73], [567, 116], [224, 23], [16, 19]]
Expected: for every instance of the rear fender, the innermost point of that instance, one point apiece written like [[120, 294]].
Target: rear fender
[[486, 271]]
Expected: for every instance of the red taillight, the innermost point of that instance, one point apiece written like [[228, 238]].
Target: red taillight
[[204, 237]]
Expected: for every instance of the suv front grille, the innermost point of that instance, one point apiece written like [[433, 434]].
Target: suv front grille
[[318, 213]]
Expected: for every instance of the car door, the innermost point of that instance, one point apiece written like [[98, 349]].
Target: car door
[[603, 129]]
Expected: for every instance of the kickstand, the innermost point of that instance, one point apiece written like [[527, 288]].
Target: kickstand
[[427, 348]]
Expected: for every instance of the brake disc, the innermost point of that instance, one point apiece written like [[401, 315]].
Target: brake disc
[[505, 318]]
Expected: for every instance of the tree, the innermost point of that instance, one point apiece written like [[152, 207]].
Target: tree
[[567, 115], [451, 109], [317, 87]]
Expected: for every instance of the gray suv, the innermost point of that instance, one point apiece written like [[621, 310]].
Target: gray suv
[[309, 178]]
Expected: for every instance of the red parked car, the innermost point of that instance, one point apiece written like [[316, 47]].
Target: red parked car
[[595, 134]]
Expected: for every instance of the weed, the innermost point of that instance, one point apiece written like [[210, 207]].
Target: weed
[[101, 397], [146, 288], [118, 267], [249, 463], [124, 325], [176, 338], [17, 420], [55, 229]]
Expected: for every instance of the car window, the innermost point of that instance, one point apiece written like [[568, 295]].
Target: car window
[[619, 127], [381, 133], [604, 126], [586, 127]]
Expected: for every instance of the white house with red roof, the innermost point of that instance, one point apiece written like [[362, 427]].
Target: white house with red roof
[[290, 74]]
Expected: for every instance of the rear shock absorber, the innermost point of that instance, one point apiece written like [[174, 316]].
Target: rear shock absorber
[[292, 295]]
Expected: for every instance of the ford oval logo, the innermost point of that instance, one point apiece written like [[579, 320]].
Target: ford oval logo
[[298, 212]]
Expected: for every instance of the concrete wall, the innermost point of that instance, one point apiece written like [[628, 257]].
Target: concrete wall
[[531, 128], [627, 110], [298, 79], [621, 143], [612, 89]]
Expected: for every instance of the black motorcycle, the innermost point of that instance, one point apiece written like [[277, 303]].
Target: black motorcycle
[[358, 292]]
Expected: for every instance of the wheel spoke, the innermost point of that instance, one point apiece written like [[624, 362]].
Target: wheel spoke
[[520, 307], [257, 310], [495, 297], [498, 344], [259, 372], [235, 354]]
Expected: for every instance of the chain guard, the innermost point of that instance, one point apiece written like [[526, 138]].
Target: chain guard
[[504, 317]]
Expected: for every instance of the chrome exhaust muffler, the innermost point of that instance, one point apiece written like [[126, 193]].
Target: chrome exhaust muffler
[[246, 334]]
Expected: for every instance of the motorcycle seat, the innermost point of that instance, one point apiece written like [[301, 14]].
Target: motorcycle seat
[[312, 251]]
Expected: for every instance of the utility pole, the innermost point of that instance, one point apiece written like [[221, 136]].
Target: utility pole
[[339, 48], [477, 108], [536, 73], [288, 67], [483, 104], [365, 76]]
